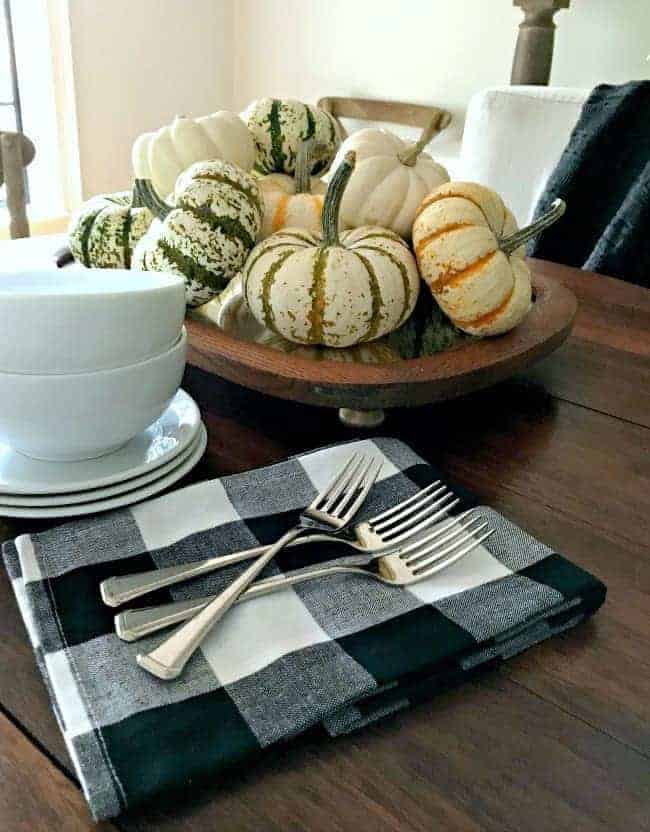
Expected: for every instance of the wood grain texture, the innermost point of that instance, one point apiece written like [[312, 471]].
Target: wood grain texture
[[401, 383], [559, 738], [393, 112], [34, 795]]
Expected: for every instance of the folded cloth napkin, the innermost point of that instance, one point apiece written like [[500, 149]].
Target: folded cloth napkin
[[341, 651]]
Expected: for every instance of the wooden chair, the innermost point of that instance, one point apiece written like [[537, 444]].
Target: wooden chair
[[16, 152], [534, 50], [394, 112]]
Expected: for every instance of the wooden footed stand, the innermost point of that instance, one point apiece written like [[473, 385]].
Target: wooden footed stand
[[363, 392], [361, 418]]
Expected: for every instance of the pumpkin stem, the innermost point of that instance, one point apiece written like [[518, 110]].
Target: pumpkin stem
[[438, 122], [333, 197], [150, 199], [512, 242], [136, 199], [302, 175]]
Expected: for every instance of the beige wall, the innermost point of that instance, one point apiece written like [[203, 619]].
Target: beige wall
[[439, 51], [139, 62], [136, 64]]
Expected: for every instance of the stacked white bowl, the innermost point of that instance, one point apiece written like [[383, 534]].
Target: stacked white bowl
[[88, 358]]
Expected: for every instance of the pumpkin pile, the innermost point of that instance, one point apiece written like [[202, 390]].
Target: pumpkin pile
[[269, 250]]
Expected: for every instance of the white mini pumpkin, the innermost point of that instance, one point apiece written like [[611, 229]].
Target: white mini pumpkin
[[278, 126], [293, 201], [472, 256], [164, 154], [390, 179], [231, 314], [335, 291], [208, 230]]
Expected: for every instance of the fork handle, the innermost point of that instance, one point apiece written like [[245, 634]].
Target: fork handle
[[168, 660], [122, 588], [131, 625]]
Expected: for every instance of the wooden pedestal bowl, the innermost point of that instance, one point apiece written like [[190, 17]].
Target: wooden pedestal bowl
[[361, 392]]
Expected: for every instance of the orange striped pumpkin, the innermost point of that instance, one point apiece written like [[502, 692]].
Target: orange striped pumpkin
[[293, 201], [284, 208], [460, 238]]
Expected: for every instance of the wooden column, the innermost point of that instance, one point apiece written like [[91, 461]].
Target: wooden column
[[12, 165], [534, 50]]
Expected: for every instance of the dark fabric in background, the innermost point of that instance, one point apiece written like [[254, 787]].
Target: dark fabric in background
[[604, 177]]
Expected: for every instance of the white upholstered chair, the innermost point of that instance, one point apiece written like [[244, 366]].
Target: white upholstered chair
[[513, 138]]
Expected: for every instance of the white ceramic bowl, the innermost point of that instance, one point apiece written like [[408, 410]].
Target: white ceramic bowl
[[82, 320], [86, 415]]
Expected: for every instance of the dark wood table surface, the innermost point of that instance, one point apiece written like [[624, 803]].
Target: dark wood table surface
[[559, 738]]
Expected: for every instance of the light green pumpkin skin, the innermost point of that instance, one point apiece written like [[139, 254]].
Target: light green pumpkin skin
[[370, 306], [105, 230], [335, 290], [278, 126], [206, 237]]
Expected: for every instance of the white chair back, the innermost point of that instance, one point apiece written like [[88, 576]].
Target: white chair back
[[514, 137]]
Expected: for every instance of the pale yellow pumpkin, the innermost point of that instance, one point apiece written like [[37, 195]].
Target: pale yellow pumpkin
[[390, 179], [471, 256], [161, 157], [293, 201]]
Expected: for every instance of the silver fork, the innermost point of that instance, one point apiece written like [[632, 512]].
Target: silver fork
[[333, 508], [387, 529], [445, 544]]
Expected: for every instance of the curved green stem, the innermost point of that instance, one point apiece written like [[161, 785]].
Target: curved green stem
[[333, 197], [148, 197], [509, 244], [438, 121], [136, 199], [302, 175]]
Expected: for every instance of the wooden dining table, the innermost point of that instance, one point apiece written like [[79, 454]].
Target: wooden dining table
[[557, 738]]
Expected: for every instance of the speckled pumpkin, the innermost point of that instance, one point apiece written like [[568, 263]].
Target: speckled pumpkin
[[104, 231], [231, 314], [293, 201], [278, 126], [207, 233], [331, 290], [471, 255]]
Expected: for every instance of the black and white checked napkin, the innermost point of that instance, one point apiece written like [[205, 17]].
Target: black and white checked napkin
[[341, 651]]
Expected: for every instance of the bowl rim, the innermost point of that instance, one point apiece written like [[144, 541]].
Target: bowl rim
[[159, 282], [408, 381], [179, 344]]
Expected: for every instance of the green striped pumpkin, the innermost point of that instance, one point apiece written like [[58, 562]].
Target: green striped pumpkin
[[209, 230], [104, 231], [231, 314], [331, 290], [278, 127]]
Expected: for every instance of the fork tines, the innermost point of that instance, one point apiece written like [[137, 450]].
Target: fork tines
[[448, 542], [417, 513], [338, 503]]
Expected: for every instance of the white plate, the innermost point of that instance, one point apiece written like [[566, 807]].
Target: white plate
[[75, 497], [161, 442], [135, 496]]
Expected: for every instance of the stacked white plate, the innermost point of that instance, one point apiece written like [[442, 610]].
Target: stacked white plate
[[152, 461]]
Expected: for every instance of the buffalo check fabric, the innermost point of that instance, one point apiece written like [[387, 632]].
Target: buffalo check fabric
[[340, 652]]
